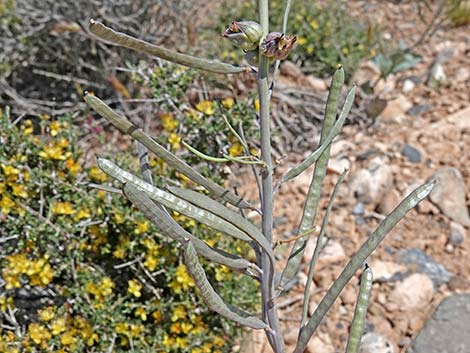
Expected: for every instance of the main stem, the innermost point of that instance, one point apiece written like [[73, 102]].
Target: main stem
[[267, 285]]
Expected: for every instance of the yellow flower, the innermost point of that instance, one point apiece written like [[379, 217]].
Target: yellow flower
[[73, 166], [68, 338], [27, 127], [140, 312], [257, 104], [54, 152], [169, 123], [19, 190], [58, 326], [46, 314], [179, 312], [314, 24], [96, 174], [301, 40], [62, 208], [141, 227], [38, 333], [82, 213], [183, 281], [55, 128], [150, 262], [345, 50], [5, 303], [222, 273], [228, 102], [136, 330], [174, 141], [6, 204], [206, 107], [193, 114], [134, 288], [235, 149], [9, 170]]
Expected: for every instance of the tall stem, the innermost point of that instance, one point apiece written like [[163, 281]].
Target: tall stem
[[267, 283]]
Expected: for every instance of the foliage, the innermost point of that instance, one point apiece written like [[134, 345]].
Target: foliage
[[326, 34], [199, 123], [83, 270], [458, 12]]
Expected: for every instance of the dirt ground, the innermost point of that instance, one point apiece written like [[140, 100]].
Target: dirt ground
[[441, 133]]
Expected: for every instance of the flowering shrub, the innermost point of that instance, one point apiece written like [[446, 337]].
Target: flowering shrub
[[200, 123], [82, 270], [326, 34]]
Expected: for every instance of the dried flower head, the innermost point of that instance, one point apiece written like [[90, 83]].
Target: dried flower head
[[277, 45], [245, 34]]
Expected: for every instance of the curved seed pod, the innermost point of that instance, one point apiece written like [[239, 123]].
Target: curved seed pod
[[358, 259], [170, 228], [126, 41], [171, 201], [314, 192], [357, 325], [315, 155], [210, 296], [174, 162], [212, 206]]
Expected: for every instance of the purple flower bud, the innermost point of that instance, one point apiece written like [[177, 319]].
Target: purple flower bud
[[277, 45]]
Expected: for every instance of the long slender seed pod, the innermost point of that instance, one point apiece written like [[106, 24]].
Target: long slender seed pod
[[358, 260], [210, 296], [171, 201], [126, 41], [174, 162], [171, 229], [212, 206], [314, 192], [315, 155], [318, 247], [359, 319]]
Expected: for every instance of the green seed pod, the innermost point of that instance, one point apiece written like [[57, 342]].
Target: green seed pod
[[277, 45], [245, 34]]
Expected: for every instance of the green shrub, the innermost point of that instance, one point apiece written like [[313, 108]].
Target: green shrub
[[82, 270], [326, 34]]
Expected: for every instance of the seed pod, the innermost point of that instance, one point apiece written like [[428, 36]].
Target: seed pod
[[277, 45], [245, 34]]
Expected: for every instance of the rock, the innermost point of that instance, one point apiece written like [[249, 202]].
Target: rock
[[418, 109], [461, 119], [462, 75], [408, 86], [367, 72], [320, 343], [447, 329], [358, 209], [341, 147], [426, 207], [371, 184], [387, 271], [333, 252], [396, 108], [337, 166], [316, 83], [449, 195], [459, 283], [374, 343], [457, 234], [414, 292], [412, 153], [425, 264], [389, 201]]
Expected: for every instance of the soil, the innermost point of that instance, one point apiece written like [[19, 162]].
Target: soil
[[442, 136]]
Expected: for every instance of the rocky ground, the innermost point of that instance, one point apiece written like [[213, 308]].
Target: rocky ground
[[424, 132]]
